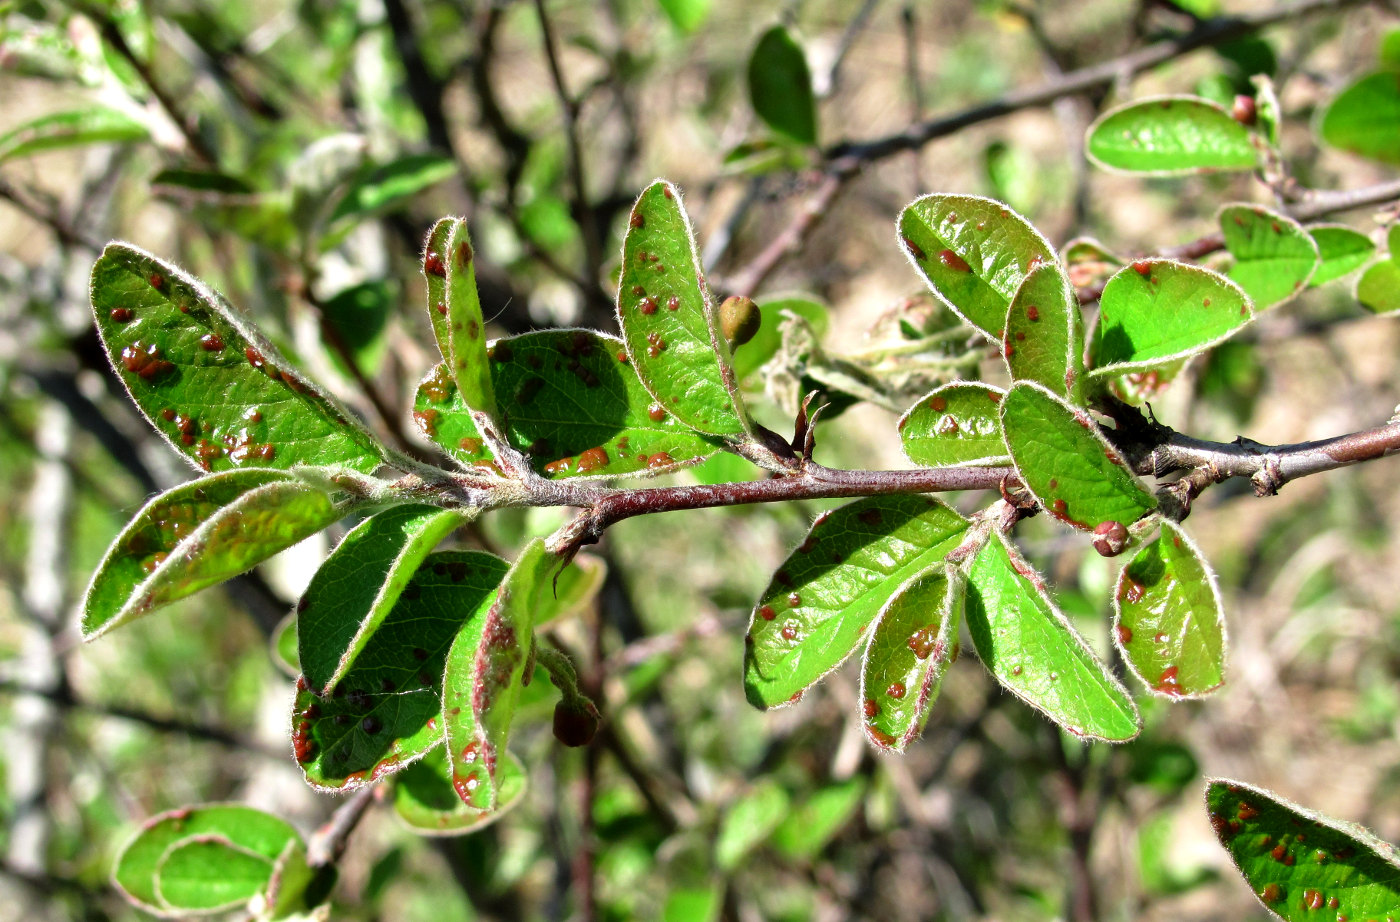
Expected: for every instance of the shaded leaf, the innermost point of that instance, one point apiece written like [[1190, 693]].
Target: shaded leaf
[[974, 253], [780, 86], [91, 125], [1365, 118], [214, 389], [1139, 387], [485, 669], [198, 535], [829, 591], [284, 646], [289, 891], [1029, 647], [1088, 262], [1274, 256], [425, 800], [384, 187], [1157, 310], [1297, 861], [752, 355], [809, 828], [749, 822], [1168, 620], [1062, 458], [1044, 338], [1169, 135], [1379, 287], [466, 328], [358, 315], [1342, 251], [570, 403], [360, 583], [385, 712], [668, 321], [208, 873], [957, 425], [909, 651]]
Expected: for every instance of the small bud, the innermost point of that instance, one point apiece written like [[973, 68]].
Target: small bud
[[1244, 111], [575, 721], [1110, 538], [739, 320]]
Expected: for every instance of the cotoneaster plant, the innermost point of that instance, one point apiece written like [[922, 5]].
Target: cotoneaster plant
[[413, 652]]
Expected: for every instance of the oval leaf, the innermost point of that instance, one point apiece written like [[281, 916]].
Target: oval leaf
[[1274, 256], [425, 801], [570, 403], [1365, 118], [668, 322], [358, 585], [210, 385], [208, 873], [1342, 251], [780, 86], [466, 329], [974, 253], [1298, 862], [253, 830], [909, 651], [92, 125], [1029, 647], [198, 535], [384, 713], [485, 669], [1074, 473], [830, 590], [1170, 135], [1157, 310], [957, 425], [749, 822], [1168, 620], [1044, 338], [1379, 287], [1088, 262]]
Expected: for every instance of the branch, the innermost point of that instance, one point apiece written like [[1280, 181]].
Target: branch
[[329, 842]]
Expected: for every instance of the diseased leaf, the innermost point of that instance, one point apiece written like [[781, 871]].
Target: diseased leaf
[[957, 425], [1139, 387], [668, 321], [208, 873], [749, 822], [1379, 287], [1342, 251], [809, 828], [425, 800], [1088, 262], [1167, 617], [91, 125], [381, 188], [829, 591], [385, 711], [910, 649], [434, 266], [1044, 338], [466, 328], [198, 535], [752, 355], [973, 252], [360, 583], [485, 669], [249, 829], [1027, 645], [571, 403], [780, 86], [1274, 256], [1170, 135], [1365, 118], [1299, 862], [208, 382], [1157, 310], [1070, 467]]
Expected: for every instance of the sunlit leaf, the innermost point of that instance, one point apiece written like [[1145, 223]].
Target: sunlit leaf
[[91, 125], [1274, 256], [749, 822], [780, 86], [425, 800], [207, 873], [954, 426], [816, 821], [1342, 251], [1169, 135], [434, 268], [466, 328], [1044, 339], [1379, 287], [1365, 118], [687, 15], [384, 187]]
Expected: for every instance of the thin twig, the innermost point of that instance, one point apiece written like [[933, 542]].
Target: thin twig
[[329, 842]]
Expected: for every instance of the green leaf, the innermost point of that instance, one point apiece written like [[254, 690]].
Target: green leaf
[[385, 712], [434, 267], [753, 354], [1139, 387], [1075, 474], [208, 382], [466, 328], [570, 590], [1168, 620], [571, 403], [831, 589], [1274, 256], [284, 645], [909, 651], [382, 188], [693, 904], [1365, 118], [1088, 262], [485, 671], [974, 253], [1298, 861], [955, 426], [289, 891], [668, 321], [780, 86], [1379, 287], [749, 822], [209, 873], [358, 315], [1170, 135], [1044, 338], [1388, 50], [686, 15], [809, 828], [197, 535], [425, 800], [139, 860], [92, 125], [360, 583], [1029, 647], [1342, 251], [1157, 310]]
